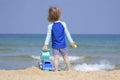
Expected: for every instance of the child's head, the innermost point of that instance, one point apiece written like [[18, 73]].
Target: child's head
[[54, 14]]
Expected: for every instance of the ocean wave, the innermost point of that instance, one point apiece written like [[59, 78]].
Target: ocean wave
[[71, 58], [102, 65], [33, 57]]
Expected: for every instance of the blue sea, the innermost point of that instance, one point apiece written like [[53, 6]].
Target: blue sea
[[94, 52]]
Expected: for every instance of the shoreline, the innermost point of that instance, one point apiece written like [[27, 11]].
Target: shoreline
[[34, 73]]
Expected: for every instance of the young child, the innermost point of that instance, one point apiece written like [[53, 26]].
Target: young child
[[57, 30]]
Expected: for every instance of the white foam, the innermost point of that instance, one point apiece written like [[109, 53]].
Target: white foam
[[35, 57], [71, 58], [102, 65]]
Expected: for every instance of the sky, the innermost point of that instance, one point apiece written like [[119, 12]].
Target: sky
[[81, 16]]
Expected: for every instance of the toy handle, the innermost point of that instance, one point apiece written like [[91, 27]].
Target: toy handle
[[46, 50]]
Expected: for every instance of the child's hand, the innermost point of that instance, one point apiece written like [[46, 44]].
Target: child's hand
[[45, 48], [73, 45]]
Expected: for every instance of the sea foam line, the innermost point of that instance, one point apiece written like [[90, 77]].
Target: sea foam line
[[102, 65], [71, 58]]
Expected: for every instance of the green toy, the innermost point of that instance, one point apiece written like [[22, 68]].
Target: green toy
[[45, 54]]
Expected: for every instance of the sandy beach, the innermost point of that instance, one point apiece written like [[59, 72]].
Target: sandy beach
[[35, 73]]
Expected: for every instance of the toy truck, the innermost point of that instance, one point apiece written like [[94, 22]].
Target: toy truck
[[46, 65]]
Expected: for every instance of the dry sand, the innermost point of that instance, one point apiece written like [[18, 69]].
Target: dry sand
[[35, 73]]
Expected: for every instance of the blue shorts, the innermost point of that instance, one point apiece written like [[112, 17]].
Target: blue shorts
[[57, 51]]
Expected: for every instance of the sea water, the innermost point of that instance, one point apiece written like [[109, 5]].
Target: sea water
[[94, 51]]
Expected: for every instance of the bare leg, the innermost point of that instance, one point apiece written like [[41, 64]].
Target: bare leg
[[56, 59], [66, 59]]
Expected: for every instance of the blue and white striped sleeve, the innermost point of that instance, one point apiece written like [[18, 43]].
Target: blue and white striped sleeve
[[48, 37], [67, 33]]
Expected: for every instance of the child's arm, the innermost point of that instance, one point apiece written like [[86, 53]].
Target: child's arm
[[47, 40], [72, 43]]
